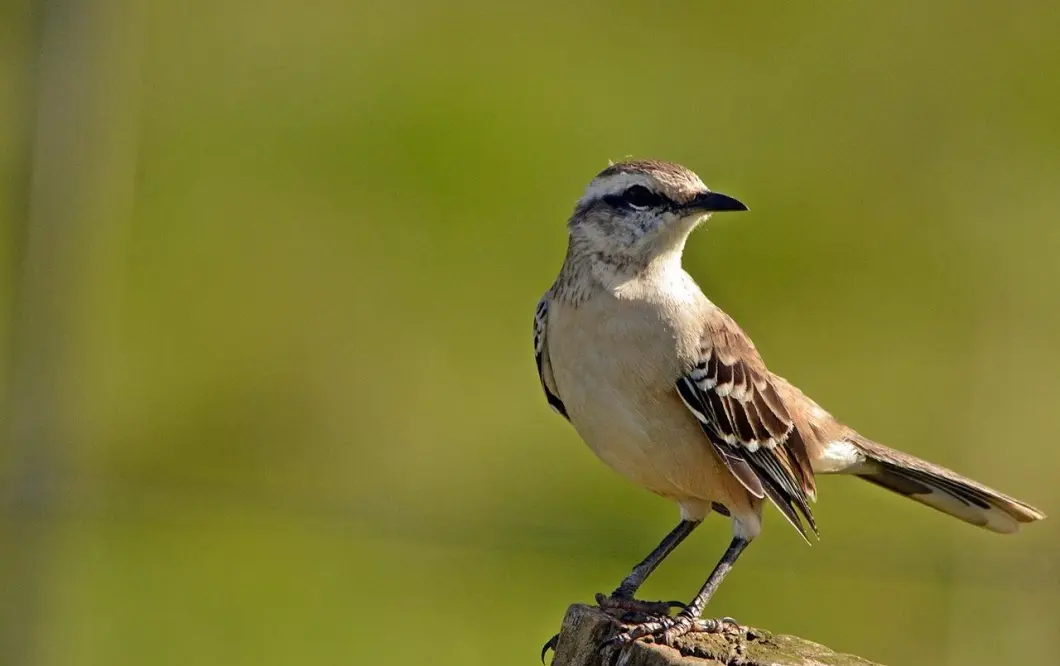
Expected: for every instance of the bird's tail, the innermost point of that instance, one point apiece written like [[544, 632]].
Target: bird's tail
[[940, 488]]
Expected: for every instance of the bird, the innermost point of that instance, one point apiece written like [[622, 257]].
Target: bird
[[666, 389]]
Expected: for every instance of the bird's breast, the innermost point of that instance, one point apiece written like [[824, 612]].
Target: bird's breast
[[615, 364]]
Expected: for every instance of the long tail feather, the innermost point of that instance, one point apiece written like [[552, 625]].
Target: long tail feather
[[941, 488]]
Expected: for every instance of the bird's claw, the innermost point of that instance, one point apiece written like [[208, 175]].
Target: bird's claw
[[667, 629], [629, 604], [549, 645]]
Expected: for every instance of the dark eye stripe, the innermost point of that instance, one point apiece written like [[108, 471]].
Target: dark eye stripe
[[637, 197]]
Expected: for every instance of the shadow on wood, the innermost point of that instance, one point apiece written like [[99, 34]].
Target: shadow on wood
[[585, 628]]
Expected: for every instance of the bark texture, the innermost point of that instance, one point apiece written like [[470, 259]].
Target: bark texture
[[586, 627]]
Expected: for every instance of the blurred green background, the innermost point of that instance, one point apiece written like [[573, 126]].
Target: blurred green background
[[269, 275]]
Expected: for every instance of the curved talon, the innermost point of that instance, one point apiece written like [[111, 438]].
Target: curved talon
[[550, 644], [715, 625]]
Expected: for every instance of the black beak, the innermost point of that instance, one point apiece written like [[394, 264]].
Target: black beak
[[714, 202]]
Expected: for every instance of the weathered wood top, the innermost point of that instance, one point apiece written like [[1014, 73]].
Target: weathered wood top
[[586, 627]]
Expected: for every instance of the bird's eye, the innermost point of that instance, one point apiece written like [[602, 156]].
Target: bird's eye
[[639, 196]]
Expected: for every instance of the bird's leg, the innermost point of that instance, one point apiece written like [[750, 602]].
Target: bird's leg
[[622, 598], [666, 629]]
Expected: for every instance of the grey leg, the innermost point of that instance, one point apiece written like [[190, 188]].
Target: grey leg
[[665, 629], [622, 597], [640, 573]]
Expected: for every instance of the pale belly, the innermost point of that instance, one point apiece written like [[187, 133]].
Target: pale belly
[[657, 445], [626, 408]]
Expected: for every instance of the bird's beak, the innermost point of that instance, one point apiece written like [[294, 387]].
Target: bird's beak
[[713, 202]]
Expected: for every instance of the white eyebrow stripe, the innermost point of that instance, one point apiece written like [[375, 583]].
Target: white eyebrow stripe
[[619, 182]]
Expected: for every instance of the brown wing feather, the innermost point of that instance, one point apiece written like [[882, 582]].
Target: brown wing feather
[[732, 395]]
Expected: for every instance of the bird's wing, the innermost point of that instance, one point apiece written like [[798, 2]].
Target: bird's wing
[[732, 395], [544, 366]]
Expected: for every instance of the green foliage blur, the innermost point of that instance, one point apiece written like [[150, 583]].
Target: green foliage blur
[[294, 407]]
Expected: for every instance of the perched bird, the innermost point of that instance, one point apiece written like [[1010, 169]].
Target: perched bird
[[667, 390]]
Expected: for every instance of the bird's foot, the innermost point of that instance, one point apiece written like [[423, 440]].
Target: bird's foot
[[666, 629], [627, 604], [626, 609]]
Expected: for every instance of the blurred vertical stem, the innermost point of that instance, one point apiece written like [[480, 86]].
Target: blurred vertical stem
[[69, 167]]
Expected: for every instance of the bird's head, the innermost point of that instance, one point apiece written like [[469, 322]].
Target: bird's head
[[637, 211]]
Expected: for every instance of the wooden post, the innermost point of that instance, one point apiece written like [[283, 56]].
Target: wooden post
[[586, 627]]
